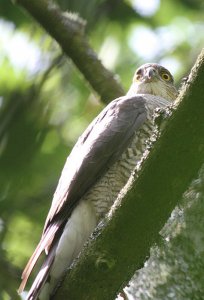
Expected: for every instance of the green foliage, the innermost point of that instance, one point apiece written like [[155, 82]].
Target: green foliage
[[45, 103]]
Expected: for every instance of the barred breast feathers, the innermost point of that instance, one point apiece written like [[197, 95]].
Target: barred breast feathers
[[106, 190]]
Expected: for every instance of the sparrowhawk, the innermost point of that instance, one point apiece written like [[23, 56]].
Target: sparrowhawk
[[96, 170]]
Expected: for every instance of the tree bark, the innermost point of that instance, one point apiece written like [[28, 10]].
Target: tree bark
[[123, 243]]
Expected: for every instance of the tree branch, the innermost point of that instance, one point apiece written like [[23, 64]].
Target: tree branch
[[123, 245], [68, 30]]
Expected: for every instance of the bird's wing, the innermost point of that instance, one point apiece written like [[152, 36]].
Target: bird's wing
[[96, 150]]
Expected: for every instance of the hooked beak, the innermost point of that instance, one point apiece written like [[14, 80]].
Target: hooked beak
[[150, 74]]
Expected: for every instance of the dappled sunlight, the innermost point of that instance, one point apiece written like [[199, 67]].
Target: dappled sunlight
[[145, 7], [27, 55]]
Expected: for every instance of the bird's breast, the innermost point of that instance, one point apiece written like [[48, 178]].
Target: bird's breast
[[103, 194]]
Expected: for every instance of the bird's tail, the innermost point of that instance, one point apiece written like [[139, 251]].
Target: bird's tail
[[42, 277], [45, 243]]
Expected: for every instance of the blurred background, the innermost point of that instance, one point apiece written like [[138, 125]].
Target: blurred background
[[45, 103]]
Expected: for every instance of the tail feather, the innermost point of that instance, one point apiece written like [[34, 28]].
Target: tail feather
[[30, 265], [44, 243], [42, 276]]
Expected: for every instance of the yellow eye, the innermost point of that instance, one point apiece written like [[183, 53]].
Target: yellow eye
[[138, 77], [166, 76]]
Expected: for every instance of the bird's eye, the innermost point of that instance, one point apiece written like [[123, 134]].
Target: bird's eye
[[166, 76], [138, 77]]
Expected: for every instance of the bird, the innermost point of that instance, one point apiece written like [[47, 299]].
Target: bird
[[96, 170]]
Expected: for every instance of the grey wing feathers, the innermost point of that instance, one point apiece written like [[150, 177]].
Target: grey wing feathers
[[99, 146]]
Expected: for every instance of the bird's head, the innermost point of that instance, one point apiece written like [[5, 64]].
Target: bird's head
[[153, 79]]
